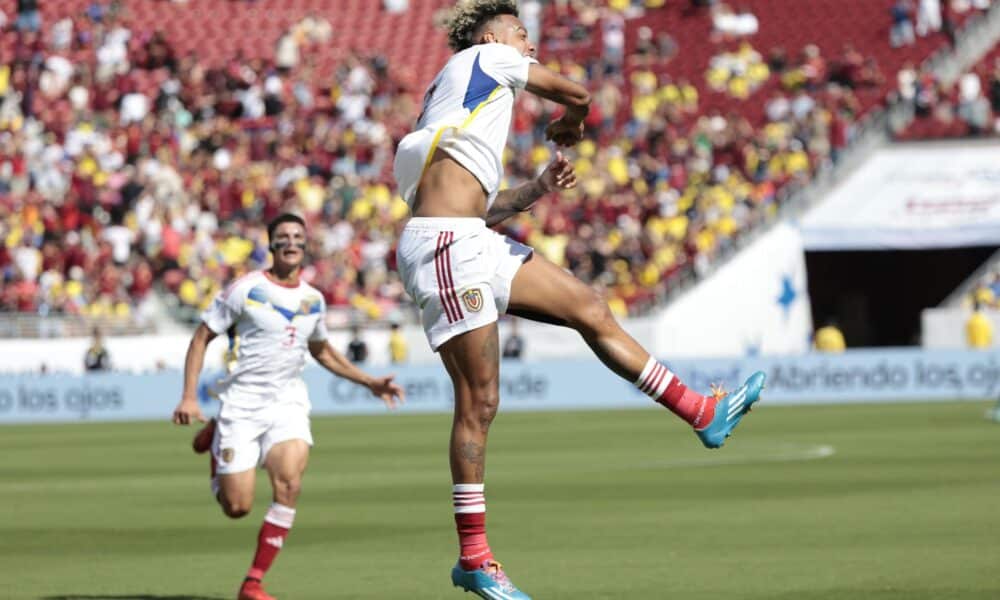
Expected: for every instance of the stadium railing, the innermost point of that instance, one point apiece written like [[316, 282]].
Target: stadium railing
[[25, 325]]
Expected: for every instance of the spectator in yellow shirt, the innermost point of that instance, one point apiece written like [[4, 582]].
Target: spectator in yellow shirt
[[398, 349], [979, 329], [829, 339]]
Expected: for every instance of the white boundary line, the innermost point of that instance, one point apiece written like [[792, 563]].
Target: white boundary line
[[790, 453]]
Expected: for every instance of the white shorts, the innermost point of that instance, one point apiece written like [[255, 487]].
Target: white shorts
[[458, 272], [244, 436]]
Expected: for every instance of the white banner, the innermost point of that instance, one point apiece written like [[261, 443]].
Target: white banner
[[912, 197]]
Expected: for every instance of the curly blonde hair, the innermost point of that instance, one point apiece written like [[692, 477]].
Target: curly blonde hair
[[469, 15]]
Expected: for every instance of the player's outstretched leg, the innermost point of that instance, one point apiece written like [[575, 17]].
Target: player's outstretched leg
[[473, 362], [542, 291]]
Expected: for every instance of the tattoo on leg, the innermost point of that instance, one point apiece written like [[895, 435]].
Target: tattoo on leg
[[491, 349], [475, 455]]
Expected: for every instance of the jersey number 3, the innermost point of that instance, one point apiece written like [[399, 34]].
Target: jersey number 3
[[290, 340]]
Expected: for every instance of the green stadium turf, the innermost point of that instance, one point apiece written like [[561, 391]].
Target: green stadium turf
[[881, 502]]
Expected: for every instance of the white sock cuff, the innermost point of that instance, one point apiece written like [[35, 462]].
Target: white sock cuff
[[468, 487], [650, 365], [654, 379], [280, 515], [468, 498]]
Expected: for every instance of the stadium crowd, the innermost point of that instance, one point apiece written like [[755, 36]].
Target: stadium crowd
[[968, 107], [125, 167]]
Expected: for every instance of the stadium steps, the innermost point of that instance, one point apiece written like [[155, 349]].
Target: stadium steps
[[977, 47], [957, 298], [930, 128]]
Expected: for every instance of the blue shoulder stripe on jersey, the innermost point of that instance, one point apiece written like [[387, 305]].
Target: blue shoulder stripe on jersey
[[257, 294], [480, 87]]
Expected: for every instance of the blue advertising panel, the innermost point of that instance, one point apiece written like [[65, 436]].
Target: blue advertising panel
[[889, 375]]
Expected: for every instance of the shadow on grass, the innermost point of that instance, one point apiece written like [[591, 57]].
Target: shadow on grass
[[129, 597]]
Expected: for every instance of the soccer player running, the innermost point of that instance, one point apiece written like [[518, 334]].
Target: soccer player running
[[462, 274], [275, 318]]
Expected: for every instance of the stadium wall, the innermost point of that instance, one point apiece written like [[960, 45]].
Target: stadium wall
[[892, 375], [944, 328], [756, 303]]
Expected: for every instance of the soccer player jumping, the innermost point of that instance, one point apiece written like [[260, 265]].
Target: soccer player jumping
[[273, 318], [462, 274]]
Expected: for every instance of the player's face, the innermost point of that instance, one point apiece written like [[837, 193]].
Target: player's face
[[509, 30], [289, 245]]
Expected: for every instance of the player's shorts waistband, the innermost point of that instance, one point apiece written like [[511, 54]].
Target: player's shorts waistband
[[446, 223]]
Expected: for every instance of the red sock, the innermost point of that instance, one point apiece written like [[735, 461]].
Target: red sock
[[271, 538], [470, 520], [660, 384]]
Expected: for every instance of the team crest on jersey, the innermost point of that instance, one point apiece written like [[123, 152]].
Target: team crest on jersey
[[227, 455], [310, 305], [473, 300]]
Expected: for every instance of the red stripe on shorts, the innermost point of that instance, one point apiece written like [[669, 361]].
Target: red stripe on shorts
[[438, 255], [451, 281]]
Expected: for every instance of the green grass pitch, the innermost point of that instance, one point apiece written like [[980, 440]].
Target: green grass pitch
[[880, 502]]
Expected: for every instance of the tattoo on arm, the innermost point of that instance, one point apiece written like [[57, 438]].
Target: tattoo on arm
[[525, 195], [511, 202]]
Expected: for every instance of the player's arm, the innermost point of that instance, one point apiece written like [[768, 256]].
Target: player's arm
[[559, 175], [568, 129], [335, 362], [188, 411]]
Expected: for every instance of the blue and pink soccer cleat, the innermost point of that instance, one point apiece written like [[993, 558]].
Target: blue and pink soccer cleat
[[488, 581], [730, 410]]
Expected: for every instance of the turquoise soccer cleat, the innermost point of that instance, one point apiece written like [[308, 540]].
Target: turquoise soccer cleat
[[488, 581], [730, 410]]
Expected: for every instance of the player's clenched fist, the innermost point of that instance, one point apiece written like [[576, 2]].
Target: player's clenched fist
[[564, 132], [188, 412]]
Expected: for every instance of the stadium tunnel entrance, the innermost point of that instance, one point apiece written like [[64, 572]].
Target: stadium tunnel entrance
[[876, 296]]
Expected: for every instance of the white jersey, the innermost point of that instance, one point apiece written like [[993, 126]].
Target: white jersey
[[467, 113], [273, 325]]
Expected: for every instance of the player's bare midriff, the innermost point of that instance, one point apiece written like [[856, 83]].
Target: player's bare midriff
[[447, 189]]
